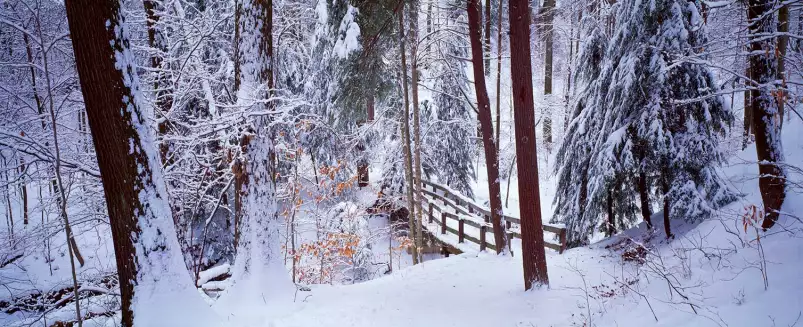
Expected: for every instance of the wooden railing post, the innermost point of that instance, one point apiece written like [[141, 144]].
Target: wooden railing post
[[460, 229], [443, 222], [487, 218], [562, 237], [483, 229], [431, 217], [510, 239], [507, 224]]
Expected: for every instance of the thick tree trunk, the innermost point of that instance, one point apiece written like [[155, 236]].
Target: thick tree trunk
[[144, 238], [548, 14], [408, 156], [484, 107], [644, 196], [766, 115], [419, 238], [532, 235]]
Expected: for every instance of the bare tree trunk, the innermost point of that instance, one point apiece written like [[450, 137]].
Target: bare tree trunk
[[570, 66], [238, 8], [644, 196], [665, 189], [783, 44], [748, 109], [499, 76], [164, 99], [548, 13], [144, 238], [24, 191], [408, 157], [763, 68], [9, 212], [57, 182], [487, 45], [484, 107], [419, 221], [532, 235], [610, 225]]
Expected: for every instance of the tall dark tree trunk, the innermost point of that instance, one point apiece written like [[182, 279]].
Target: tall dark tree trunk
[[484, 107], [766, 115], [487, 44], [24, 189], [783, 44], [548, 15], [610, 225], [748, 110], [665, 190], [644, 196], [142, 231], [532, 235]]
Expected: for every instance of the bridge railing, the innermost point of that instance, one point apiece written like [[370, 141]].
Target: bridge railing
[[466, 211]]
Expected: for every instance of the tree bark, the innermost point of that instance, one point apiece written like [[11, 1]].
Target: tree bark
[[665, 189], [238, 8], [24, 189], [484, 107], [748, 109], [419, 221], [783, 44], [610, 225], [408, 156], [164, 98], [764, 100], [532, 235], [644, 196], [548, 14], [498, 128], [487, 44], [142, 232]]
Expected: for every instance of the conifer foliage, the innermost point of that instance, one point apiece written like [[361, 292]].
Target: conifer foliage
[[649, 112]]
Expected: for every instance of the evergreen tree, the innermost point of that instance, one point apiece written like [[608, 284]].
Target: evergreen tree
[[649, 113], [450, 131]]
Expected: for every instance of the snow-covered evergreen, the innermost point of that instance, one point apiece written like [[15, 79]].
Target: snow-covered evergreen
[[650, 111]]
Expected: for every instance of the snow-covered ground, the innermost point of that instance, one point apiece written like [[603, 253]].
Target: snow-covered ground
[[711, 274]]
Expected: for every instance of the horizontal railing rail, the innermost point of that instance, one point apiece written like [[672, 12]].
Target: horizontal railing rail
[[469, 213]]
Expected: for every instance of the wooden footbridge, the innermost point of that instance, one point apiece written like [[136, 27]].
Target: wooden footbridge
[[454, 219]]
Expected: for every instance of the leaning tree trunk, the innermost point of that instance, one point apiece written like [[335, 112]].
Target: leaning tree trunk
[[144, 237], [419, 221], [764, 101], [532, 235], [408, 161], [484, 107]]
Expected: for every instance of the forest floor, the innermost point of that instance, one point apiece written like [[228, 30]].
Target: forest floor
[[715, 273]]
